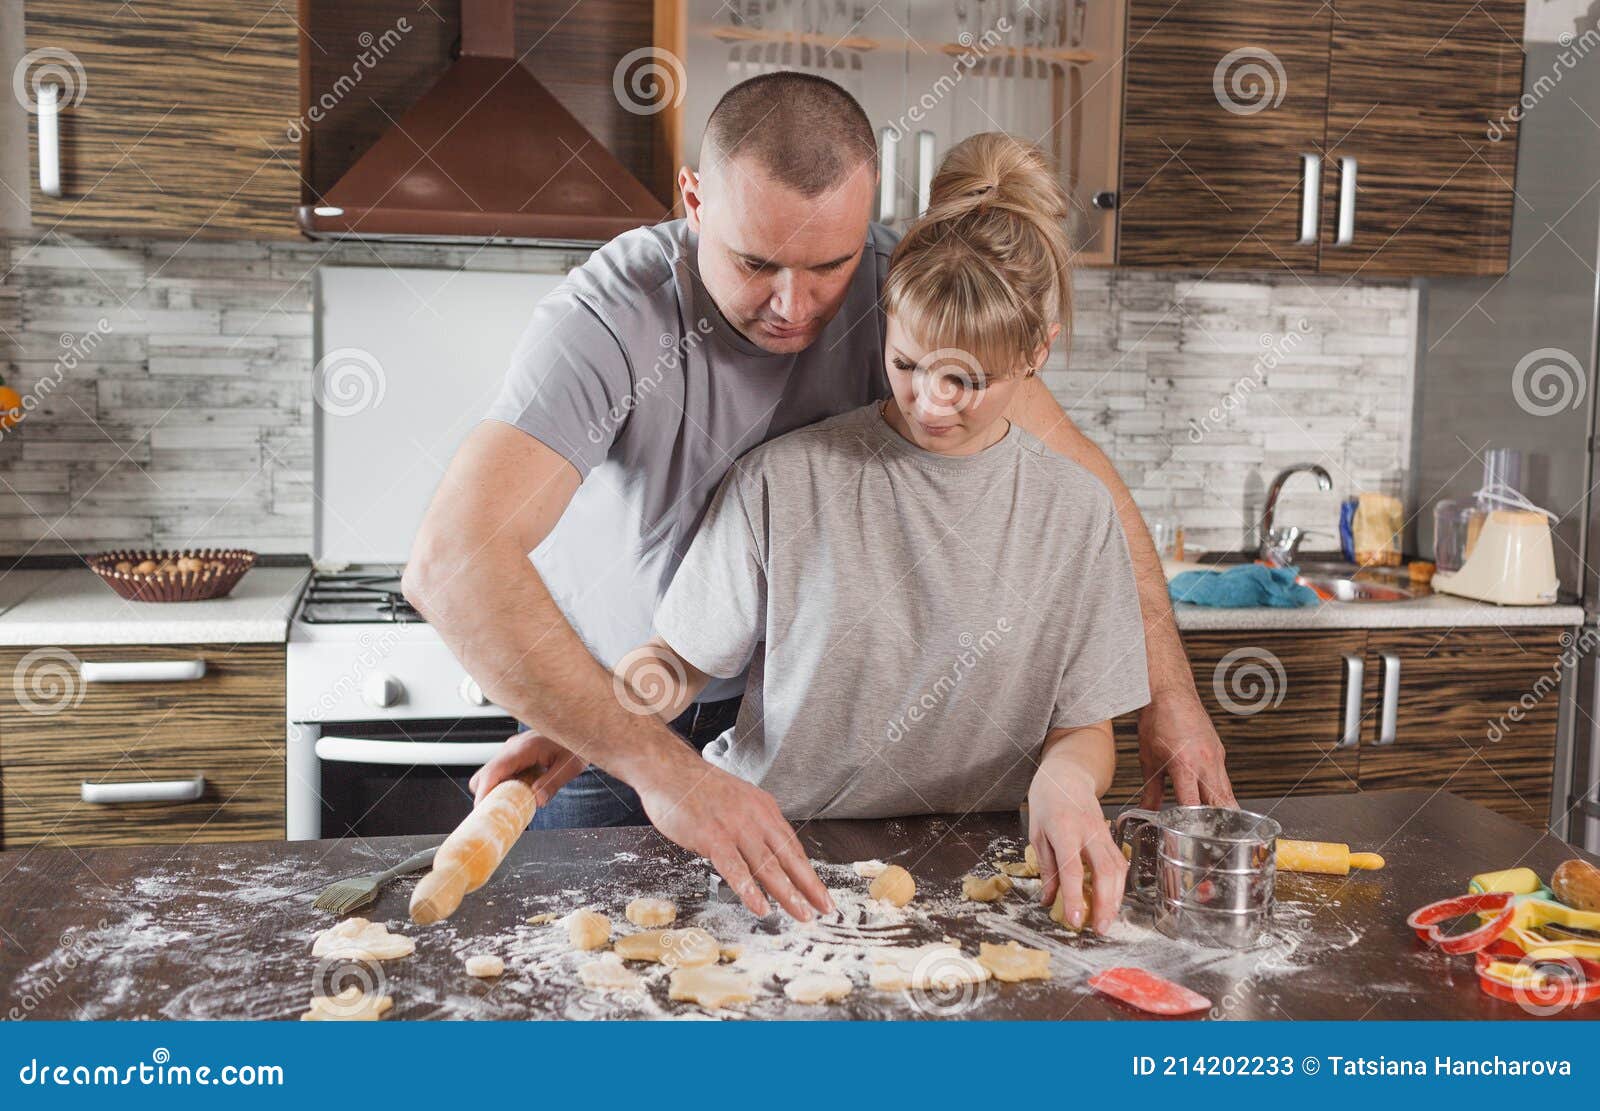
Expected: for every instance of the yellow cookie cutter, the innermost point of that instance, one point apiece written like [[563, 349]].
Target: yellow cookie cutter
[[1533, 910]]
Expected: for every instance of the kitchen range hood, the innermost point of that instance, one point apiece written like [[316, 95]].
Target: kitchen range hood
[[486, 155]]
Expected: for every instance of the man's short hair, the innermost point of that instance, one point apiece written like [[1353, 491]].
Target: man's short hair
[[803, 130]]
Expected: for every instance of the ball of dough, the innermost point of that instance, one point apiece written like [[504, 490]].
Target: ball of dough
[[1058, 909], [650, 913], [1025, 870], [689, 948], [894, 886], [356, 939], [589, 929], [485, 965]]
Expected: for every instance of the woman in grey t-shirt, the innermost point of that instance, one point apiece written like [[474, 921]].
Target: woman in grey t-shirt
[[937, 613]]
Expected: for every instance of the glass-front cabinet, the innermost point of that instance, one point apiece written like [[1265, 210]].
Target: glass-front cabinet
[[929, 73]]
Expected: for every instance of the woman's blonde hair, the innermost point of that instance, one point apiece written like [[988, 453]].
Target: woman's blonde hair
[[987, 269]]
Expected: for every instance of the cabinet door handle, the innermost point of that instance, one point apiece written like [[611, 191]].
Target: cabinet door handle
[[143, 671], [443, 754], [1310, 199], [1355, 670], [1347, 203], [888, 159], [50, 139], [1390, 713], [925, 167], [165, 790]]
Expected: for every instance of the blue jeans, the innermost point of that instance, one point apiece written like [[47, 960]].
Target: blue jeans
[[596, 798]]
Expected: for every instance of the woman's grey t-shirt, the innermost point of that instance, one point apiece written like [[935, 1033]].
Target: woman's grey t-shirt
[[914, 624], [631, 373]]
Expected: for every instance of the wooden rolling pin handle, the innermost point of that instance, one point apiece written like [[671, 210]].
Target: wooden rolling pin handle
[[470, 855], [1328, 858]]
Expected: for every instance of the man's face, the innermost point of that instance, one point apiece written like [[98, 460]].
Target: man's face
[[776, 263]]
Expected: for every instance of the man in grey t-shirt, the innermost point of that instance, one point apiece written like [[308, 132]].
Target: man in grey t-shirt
[[599, 458]]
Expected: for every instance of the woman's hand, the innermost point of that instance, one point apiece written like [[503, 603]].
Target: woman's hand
[[521, 752], [1070, 835]]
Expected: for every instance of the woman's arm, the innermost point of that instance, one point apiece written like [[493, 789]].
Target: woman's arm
[[1176, 737], [1067, 827]]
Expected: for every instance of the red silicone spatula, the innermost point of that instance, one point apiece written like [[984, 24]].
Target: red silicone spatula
[[1138, 988]]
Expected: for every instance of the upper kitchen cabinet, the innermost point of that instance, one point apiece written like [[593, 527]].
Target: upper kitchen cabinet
[[929, 73], [1422, 146], [1222, 137], [170, 119], [1352, 136]]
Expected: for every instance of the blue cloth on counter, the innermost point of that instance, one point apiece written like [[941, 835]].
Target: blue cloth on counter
[[1249, 584]]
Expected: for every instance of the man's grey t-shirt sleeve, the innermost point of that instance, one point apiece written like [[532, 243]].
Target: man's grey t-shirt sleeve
[[1106, 674], [567, 382], [714, 613]]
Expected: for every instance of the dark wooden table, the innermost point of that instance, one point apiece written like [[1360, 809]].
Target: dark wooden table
[[212, 931]]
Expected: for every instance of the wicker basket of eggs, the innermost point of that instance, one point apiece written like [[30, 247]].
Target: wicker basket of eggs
[[192, 575]]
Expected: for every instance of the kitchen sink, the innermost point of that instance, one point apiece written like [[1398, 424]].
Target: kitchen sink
[[1344, 589]]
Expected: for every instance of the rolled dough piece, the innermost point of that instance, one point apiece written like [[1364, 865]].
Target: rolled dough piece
[[818, 987], [690, 947], [984, 889], [544, 919], [894, 886], [350, 1005], [1058, 909], [607, 973], [1138, 988], [869, 869], [1013, 963], [711, 987], [357, 939], [588, 929], [649, 913], [642, 946], [934, 967], [485, 965]]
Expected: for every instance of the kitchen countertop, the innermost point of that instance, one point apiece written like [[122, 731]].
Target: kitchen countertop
[[74, 606], [1433, 611], [225, 931]]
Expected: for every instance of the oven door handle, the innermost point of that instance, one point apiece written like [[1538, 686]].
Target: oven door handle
[[362, 750]]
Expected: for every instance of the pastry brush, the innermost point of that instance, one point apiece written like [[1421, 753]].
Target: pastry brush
[[356, 892]]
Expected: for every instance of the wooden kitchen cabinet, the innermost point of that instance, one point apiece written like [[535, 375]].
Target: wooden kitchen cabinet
[[1442, 710], [1279, 702], [59, 733], [177, 117], [1226, 99], [1472, 711]]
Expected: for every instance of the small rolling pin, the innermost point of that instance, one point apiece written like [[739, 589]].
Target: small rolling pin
[[1328, 858], [470, 855], [1577, 883]]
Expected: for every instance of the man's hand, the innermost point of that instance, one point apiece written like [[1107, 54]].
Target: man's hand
[[1069, 831], [739, 828], [1177, 740], [519, 753]]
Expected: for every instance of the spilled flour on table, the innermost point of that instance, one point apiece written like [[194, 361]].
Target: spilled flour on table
[[238, 946]]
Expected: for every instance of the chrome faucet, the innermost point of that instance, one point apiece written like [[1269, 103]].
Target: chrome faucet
[[1279, 547]]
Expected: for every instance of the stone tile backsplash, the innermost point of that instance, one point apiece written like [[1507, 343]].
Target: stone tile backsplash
[[169, 389]]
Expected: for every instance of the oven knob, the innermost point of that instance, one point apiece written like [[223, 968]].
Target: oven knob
[[380, 690], [471, 693]]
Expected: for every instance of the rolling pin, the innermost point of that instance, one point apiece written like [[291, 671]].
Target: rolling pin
[[1328, 858], [1577, 883], [470, 855]]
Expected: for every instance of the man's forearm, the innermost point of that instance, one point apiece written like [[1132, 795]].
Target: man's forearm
[[529, 660], [1039, 413]]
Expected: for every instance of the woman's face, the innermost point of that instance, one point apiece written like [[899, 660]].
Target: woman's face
[[945, 401]]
